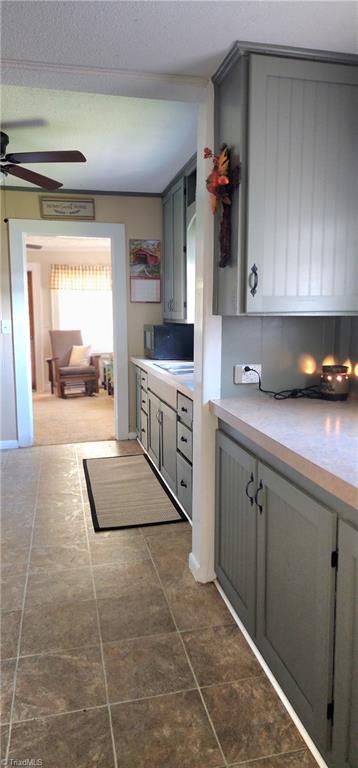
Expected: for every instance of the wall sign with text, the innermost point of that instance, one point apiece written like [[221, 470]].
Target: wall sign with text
[[61, 208]]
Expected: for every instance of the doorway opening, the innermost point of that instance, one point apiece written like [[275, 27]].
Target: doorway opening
[[69, 282], [103, 333]]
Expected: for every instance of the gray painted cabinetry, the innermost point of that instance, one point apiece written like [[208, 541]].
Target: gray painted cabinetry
[[184, 455], [141, 407], [345, 723], [276, 559], [174, 306], [292, 121]]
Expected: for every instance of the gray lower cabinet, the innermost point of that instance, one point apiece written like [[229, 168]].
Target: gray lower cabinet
[[153, 428], [345, 722], [138, 402], [275, 559], [295, 596], [144, 430], [236, 522], [162, 438], [168, 419], [184, 483]]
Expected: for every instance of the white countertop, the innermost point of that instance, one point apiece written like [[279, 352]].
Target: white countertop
[[316, 438], [184, 382]]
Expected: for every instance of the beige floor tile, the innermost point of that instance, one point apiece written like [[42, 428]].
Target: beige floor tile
[[68, 625], [220, 654], [302, 759], [59, 558], [250, 720], [14, 558], [171, 731], [147, 666], [138, 613], [196, 605], [12, 589], [50, 588], [9, 629], [59, 682], [7, 688], [122, 579], [118, 550], [81, 739]]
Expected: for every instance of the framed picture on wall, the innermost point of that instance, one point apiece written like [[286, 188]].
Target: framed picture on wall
[[144, 271]]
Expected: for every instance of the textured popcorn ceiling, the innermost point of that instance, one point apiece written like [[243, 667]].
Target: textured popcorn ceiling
[[78, 64], [188, 38]]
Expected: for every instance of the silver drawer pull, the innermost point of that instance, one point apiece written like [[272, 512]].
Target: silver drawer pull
[[185, 410], [183, 484], [183, 439]]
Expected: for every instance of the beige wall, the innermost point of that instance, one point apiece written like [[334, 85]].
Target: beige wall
[[142, 218]]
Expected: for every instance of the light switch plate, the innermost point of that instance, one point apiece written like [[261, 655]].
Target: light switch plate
[[6, 326]]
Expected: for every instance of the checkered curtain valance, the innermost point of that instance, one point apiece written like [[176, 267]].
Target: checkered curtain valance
[[80, 277]]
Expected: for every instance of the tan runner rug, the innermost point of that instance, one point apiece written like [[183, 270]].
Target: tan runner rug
[[126, 492]]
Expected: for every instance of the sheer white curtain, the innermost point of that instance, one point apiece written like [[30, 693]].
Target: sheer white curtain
[[75, 304]]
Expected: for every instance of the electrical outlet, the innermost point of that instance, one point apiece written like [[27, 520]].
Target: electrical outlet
[[247, 377]]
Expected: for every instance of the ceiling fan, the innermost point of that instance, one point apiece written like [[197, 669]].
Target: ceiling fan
[[11, 164]]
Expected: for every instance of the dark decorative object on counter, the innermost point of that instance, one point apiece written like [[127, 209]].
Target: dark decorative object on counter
[[221, 183], [334, 382]]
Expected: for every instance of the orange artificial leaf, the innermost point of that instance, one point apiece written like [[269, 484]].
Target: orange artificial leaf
[[223, 162], [213, 202]]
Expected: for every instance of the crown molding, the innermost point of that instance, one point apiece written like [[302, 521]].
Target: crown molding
[[103, 80]]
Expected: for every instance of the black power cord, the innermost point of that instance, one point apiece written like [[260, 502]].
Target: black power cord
[[312, 392]]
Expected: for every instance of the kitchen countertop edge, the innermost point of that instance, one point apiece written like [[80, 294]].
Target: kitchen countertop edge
[[150, 366], [327, 480]]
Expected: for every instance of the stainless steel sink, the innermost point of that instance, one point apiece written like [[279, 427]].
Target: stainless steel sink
[[177, 369]]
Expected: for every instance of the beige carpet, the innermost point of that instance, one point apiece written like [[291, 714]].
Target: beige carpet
[[124, 492], [74, 420]]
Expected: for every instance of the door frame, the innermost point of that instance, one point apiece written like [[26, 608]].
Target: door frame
[[18, 231]]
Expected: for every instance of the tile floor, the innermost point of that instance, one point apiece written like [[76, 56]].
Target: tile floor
[[112, 656]]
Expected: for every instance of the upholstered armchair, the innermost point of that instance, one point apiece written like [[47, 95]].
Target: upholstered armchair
[[61, 373]]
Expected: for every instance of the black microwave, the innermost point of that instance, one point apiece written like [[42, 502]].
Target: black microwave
[[170, 341]]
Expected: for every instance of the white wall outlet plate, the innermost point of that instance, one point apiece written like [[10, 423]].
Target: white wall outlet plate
[[247, 377]]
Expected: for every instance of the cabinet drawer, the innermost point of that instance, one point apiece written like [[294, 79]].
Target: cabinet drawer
[[184, 483], [185, 441], [144, 400], [185, 409], [144, 429], [144, 380]]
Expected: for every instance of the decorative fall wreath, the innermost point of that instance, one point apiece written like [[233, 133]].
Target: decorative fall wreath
[[221, 183]]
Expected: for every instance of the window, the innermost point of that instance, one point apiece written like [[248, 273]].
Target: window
[[82, 298]]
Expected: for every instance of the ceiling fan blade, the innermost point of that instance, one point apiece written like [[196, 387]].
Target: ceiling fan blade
[[35, 122], [32, 177], [71, 156]]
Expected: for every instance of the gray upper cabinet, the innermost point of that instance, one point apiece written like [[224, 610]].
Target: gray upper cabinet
[[302, 230], [345, 723], [168, 423], [235, 535], [293, 122], [174, 282], [296, 592]]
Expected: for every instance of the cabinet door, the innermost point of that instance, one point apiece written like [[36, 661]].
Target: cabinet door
[[168, 283], [144, 429], [138, 402], [235, 534], [168, 423], [153, 428], [303, 186], [179, 245], [345, 724], [295, 587]]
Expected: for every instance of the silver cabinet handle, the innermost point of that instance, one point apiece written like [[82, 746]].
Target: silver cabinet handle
[[260, 488], [251, 498], [184, 485], [183, 439], [253, 280]]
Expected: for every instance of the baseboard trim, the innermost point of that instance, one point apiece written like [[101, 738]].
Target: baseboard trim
[[6, 445], [300, 727]]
